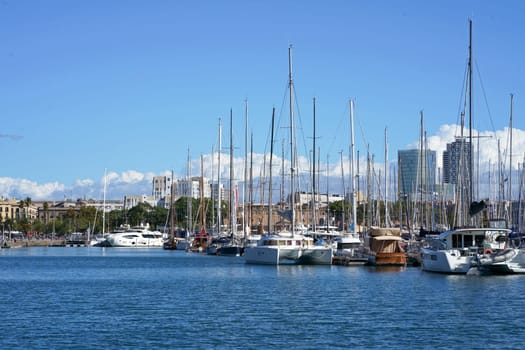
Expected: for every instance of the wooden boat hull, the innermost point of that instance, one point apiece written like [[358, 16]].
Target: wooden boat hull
[[390, 259]]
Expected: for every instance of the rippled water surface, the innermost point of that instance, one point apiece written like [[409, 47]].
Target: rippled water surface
[[104, 298]]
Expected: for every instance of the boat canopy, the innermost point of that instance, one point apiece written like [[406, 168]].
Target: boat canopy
[[387, 238], [384, 231]]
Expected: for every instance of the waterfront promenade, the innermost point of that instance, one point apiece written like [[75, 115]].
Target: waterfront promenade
[[17, 243]]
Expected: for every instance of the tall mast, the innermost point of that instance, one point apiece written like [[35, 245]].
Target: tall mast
[[190, 197], [520, 208], [211, 186], [387, 217], [327, 193], [270, 187], [103, 205], [172, 213], [202, 209], [282, 176], [353, 225], [250, 220], [313, 178], [245, 188], [219, 196], [292, 143], [419, 178], [343, 193], [233, 221], [510, 164], [471, 160]]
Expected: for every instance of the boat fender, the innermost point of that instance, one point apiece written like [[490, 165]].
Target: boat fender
[[487, 251]]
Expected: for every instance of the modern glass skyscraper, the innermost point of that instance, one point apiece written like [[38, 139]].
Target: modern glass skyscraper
[[416, 172], [457, 156]]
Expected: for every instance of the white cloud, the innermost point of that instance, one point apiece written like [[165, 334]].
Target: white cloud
[[84, 182], [131, 176], [22, 188]]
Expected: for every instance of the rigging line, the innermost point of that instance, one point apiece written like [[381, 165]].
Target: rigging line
[[363, 135], [462, 107], [299, 120], [342, 119], [484, 96], [268, 134]]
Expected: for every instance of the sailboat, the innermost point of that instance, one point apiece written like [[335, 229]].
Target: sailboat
[[200, 240], [349, 248], [286, 247], [187, 243], [511, 259], [99, 241], [232, 246], [457, 251], [171, 243], [320, 253]]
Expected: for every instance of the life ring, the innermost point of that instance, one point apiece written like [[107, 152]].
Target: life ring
[[487, 251]]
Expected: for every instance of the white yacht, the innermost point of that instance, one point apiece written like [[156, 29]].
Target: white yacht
[[283, 248], [456, 251], [136, 237], [274, 249]]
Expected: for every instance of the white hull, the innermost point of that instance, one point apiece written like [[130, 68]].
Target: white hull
[[316, 255], [271, 255], [136, 238], [313, 255], [136, 243], [446, 261], [285, 248]]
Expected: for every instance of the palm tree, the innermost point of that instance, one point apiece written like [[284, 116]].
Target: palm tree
[[25, 203], [46, 212], [21, 205]]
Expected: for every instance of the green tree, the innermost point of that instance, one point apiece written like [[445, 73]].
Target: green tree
[[138, 214], [157, 217], [70, 220], [115, 219], [85, 218]]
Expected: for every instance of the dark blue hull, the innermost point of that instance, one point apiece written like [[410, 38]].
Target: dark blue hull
[[231, 250]]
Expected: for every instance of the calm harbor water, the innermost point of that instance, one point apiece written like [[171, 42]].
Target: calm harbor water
[[110, 298]]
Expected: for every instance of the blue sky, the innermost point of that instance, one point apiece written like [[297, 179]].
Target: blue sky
[[132, 85]]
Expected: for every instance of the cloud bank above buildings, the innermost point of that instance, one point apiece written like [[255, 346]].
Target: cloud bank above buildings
[[493, 148]]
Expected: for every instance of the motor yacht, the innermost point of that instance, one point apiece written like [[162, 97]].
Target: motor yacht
[[136, 237]]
